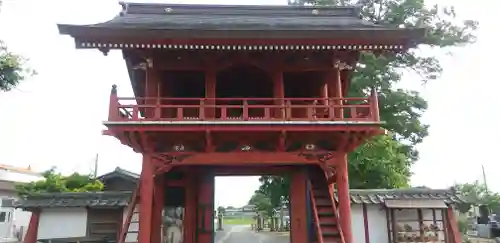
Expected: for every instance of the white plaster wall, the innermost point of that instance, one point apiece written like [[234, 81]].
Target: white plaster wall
[[358, 228], [7, 175], [134, 225], [377, 224], [21, 221], [62, 223]]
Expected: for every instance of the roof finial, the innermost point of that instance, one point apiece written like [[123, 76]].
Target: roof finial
[[114, 89], [124, 8]]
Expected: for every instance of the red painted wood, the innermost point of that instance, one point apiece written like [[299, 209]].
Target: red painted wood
[[279, 93], [113, 114], [205, 220], [365, 224], [324, 200], [210, 88], [246, 128], [314, 206], [158, 206], [32, 232], [374, 103], [122, 234], [190, 220], [146, 200], [298, 220], [344, 199], [299, 109], [247, 159], [456, 236]]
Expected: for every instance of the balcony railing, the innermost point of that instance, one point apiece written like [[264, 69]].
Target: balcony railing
[[244, 109]]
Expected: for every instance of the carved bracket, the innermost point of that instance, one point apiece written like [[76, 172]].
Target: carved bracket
[[168, 160]]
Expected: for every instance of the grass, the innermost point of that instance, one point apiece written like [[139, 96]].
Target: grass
[[238, 221]]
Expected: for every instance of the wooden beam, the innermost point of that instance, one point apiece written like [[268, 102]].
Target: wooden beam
[[365, 223], [246, 159], [250, 128]]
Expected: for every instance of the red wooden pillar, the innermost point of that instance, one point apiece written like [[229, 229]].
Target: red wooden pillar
[[344, 199], [298, 207], [190, 209], [456, 236], [334, 86], [146, 199], [210, 93], [158, 205], [323, 91], [279, 94], [205, 220], [32, 233], [113, 114], [152, 93]]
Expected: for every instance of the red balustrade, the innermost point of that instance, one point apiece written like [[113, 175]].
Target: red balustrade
[[243, 109]]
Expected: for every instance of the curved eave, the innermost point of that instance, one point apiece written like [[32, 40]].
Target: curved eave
[[407, 37]]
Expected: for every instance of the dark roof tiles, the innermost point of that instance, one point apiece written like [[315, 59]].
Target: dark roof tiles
[[75, 199], [159, 21], [119, 172], [236, 17], [376, 196], [121, 199]]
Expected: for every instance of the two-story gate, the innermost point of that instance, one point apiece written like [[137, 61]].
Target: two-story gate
[[242, 89]]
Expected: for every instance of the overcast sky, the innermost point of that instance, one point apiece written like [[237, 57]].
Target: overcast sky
[[54, 118]]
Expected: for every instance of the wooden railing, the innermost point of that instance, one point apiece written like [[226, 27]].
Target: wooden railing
[[243, 109]]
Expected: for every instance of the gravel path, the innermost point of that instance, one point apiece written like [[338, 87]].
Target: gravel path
[[244, 234]]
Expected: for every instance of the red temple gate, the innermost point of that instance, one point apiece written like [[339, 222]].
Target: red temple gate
[[242, 90]]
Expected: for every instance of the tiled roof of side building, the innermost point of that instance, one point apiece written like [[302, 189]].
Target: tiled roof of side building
[[119, 172], [107, 199], [375, 196], [121, 199]]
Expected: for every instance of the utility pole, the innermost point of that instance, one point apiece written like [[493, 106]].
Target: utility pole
[[96, 162], [484, 180]]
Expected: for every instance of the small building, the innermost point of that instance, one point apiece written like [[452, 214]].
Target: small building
[[417, 215], [13, 222]]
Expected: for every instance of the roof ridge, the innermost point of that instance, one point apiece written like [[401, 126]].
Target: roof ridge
[[255, 10]]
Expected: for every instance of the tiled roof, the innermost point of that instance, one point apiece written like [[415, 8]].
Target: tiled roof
[[119, 172], [75, 199], [192, 20], [121, 199], [378, 196]]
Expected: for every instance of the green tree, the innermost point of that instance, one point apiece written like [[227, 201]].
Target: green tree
[[477, 194], [262, 203], [221, 209], [56, 182], [13, 69], [385, 161]]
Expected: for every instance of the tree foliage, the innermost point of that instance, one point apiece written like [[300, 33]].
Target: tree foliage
[[56, 182], [385, 161], [477, 194], [13, 69], [221, 209], [262, 203]]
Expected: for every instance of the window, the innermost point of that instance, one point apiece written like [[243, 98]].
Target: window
[[7, 202], [3, 217]]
